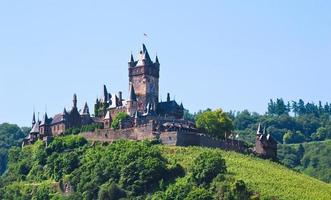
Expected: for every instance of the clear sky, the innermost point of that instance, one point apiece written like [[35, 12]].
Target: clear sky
[[230, 54]]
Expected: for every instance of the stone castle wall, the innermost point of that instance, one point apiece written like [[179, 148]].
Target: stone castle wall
[[110, 135], [176, 138]]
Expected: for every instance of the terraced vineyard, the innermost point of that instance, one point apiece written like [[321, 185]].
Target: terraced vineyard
[[268, 178]]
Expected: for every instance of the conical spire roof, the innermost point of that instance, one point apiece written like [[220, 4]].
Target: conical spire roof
[[85, 110], [132, 93], [131, 58], [146, 55], [105, 94], [45, 119]]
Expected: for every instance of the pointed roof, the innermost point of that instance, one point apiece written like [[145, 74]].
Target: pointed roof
[[143, 57], [45, 120], [85, 110], [132, 93], [146, 55], [105, 93], [258, 132], [131, 59], [157, 60], [33, 118], [64, 112], [35, 128]]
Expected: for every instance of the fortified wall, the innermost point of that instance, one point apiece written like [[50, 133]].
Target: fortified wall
[[175, 138]]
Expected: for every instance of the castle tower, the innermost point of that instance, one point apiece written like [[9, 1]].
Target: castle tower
[[144, 76]]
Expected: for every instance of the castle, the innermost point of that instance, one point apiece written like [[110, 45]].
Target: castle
[[146, 116]]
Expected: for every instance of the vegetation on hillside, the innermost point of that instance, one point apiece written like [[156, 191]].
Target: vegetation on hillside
[[143, 170], [10, 135], [311, 158], [288, 122], [124, 169], [215, 123], [269, 179]]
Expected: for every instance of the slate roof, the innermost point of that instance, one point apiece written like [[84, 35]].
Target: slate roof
[[132, 93], [58, 118], [35, 128]]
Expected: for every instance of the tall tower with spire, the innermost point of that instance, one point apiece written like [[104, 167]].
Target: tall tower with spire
[[144, 76]]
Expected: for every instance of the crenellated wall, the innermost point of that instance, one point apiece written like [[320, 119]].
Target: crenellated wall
[[176, 138]]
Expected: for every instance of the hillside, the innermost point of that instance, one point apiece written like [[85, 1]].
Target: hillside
[[311, 158], [143, 170], [269, 178], [10, 135]]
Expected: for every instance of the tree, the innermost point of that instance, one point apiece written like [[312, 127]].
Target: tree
[[111, 192], [301, 107], [290, 137], [199, 193], [215, 123], [118, 119], [207, 166], [321, 134]]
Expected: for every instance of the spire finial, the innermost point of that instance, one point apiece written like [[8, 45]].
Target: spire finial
[[131, 58], [33, 117], [74, 101]]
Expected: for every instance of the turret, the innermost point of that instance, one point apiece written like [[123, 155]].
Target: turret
[[132, 104]]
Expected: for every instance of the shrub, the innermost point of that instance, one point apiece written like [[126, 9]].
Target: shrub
[[118, 119], [207, 166]]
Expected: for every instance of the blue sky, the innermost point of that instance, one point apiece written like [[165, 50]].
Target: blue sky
[[230, 54]]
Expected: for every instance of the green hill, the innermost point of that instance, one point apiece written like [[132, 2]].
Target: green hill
[[311, 158], [144, 170], [268, 178]]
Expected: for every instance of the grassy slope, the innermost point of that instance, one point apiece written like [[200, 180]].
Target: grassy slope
[[266, 177]]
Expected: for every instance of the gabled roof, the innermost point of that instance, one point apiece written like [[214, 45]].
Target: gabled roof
[[58, 118]]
